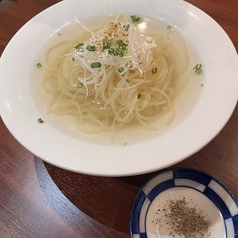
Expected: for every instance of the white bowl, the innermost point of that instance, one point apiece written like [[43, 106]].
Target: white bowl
[[191, 131]]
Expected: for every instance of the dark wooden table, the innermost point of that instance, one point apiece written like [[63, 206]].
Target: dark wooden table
[[40, 200]]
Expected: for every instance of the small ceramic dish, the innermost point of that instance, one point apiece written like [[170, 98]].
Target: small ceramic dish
[[184, 203]]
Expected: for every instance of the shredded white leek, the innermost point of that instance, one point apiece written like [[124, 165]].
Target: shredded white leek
[[137, 54]]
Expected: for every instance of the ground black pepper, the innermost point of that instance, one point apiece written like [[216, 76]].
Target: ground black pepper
[[184, 220]]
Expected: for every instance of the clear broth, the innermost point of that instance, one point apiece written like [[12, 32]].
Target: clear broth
[[184, 103]]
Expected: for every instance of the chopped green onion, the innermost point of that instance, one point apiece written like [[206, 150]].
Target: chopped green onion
[[96, 65], [80, 85], [73, 59], [106, 45], [116, 52], [169, 27], [121, 50], [154, 70], [139, 95], [78, 46], [120, 42], [111, 51], [128, 80], [91, 47], [135, 18], [198, 68], [127, 27], [121, 53], [40, 120], [120, 69], [39, 65]]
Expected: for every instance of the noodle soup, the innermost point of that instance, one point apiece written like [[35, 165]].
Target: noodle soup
[[119, 82]]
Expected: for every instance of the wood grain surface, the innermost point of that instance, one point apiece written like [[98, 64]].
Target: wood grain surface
[[40, 200]]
